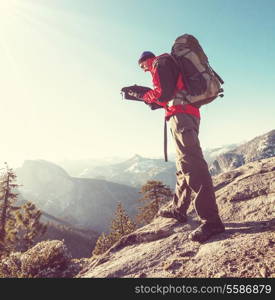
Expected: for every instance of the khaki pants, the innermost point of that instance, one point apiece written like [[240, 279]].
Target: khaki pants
[[192, 170]]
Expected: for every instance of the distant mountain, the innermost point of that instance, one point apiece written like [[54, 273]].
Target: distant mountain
[[88, 203], [76, 167], [259, 148], [211, 154], [135, 171]]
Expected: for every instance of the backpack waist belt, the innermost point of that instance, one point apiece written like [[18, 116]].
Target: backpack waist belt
[[182, 109]]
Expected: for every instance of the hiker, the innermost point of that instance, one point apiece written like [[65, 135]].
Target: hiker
[[192, 170]]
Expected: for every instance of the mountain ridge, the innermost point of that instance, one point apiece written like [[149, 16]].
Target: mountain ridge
[[260, 147], [83, 202], [136, 170]]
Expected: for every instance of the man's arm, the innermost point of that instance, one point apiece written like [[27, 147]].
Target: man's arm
[[164, 80]]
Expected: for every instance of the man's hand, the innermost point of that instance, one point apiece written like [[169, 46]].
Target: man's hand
[[136, 92]]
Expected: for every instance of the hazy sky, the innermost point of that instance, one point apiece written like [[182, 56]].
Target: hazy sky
[[63, 63]]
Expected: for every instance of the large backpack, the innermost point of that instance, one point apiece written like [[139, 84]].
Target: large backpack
[[202, 83]]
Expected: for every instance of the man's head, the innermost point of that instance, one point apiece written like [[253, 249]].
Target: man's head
[[144, 59]]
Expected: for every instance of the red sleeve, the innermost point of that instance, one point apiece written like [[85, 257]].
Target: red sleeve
[[165, 76], [154, 94]]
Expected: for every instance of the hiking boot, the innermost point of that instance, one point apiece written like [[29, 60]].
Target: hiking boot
[[174, 214], [205, 231]]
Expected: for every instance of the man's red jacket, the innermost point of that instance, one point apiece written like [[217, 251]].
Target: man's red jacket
[[167, 81]]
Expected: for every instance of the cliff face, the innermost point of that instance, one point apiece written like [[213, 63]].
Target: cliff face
[[245, 197]]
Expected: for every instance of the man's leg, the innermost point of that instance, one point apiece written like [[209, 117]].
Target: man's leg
[[181, 198], [180, 202], [195, 169], [182, 195]]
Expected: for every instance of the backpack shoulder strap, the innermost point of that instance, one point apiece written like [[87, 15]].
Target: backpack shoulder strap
[[165, 58]]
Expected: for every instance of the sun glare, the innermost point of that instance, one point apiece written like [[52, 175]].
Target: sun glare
[[7, 9], [6, 6]]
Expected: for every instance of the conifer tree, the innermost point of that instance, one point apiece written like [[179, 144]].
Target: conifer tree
[[8, 231], [103, 243], [155, 194], [19, 225], [28, 225], [121, 225]]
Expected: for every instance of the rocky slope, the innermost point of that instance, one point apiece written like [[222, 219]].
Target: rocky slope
[[259, 148], [246, 199], [88, 203], [47, 259]]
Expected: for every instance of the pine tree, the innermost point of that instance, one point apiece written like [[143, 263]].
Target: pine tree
[[103, 243], [155, 194], [121, 225], [19, 225], [28, 226], [8, 231]]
